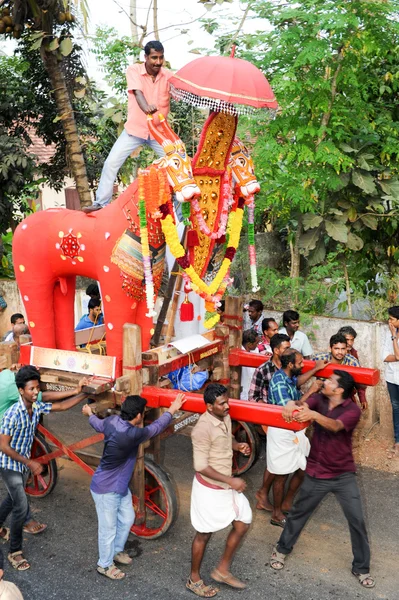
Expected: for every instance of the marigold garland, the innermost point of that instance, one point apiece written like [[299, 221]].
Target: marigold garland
[[145, 247], [178, 251], [154, 199]]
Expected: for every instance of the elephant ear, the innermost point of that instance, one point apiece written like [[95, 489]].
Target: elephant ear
[[126, 255]]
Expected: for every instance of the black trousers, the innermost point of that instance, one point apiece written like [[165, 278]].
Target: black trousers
[[310, 495]]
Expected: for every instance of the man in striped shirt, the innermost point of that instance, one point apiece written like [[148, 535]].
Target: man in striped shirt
[[340, 354], [17, 431], [287, 450]]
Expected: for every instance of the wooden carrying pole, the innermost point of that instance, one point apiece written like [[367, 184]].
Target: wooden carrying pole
[[132, 368], [233, 319]]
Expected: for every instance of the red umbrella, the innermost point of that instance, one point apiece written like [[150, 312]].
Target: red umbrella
[[223, 83]]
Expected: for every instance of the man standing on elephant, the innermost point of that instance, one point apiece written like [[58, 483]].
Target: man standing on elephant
[[148, 93]]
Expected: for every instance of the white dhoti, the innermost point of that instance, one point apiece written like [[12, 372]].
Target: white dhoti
[[286, 450], [214, 509]]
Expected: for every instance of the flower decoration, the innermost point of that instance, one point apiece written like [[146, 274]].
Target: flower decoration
[[145, 246]]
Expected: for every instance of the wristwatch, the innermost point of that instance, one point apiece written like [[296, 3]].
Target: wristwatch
[[393, 337]]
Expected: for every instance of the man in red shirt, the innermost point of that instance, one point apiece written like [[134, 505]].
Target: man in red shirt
[[148, 93], [330, 468]]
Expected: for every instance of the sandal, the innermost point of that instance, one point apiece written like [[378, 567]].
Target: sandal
[[278, 523], [112, 572], [21, 564], [365, 579], [277, 560], [228, 579], [200, 589], [34, 527], [4, 534], [123, 558]]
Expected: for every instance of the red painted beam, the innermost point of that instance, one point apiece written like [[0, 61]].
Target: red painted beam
[[241, 358], [240, 410]]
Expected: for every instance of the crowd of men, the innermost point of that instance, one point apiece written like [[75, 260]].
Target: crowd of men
[[300, 470]]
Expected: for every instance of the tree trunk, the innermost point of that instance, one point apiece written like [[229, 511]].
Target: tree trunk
[[327, 115], [155, 13], [295, 254], [133, 21], [65, 111], [348, 291]]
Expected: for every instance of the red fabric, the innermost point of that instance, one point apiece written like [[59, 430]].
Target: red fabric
[[192, 238], [225, 78], [187, 311], [202, 481]]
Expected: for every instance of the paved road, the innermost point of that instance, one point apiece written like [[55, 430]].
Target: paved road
[[64, 557]]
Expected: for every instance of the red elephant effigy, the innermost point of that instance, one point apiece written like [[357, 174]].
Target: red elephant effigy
[[52, 247]]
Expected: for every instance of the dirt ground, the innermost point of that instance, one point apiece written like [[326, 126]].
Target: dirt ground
[[373, 451]]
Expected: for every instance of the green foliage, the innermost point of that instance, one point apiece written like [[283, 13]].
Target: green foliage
[[328, 162], [46, 121], [6, 264], [16, 166]]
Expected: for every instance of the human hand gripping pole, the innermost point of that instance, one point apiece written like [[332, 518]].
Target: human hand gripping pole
[[177, 403]]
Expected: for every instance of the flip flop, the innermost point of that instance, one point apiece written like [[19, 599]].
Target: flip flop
[[228, 579], [200, 589], [363, 578], [21, 564], [112, 572], [123, 558], [278, 523], [277, 560], [35, 529]]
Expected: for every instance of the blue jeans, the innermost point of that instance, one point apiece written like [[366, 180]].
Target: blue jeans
[[15, 503], [115, 517], [393, 391], [123, 147]]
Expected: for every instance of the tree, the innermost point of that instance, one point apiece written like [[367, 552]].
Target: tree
[[329, 160], [50, 23], [16, 166]]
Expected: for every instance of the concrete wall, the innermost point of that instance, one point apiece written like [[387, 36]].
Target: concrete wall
[[369, 341], [14, 304]]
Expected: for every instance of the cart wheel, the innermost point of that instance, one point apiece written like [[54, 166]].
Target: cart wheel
[[245, 432], [43, 484], [160, 502]]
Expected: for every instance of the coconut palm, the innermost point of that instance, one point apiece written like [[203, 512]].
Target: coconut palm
[[41, 18]]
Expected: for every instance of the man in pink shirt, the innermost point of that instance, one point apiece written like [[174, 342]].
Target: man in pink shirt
[[148, 93]]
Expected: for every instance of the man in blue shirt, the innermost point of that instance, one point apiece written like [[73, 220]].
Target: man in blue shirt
[[93, 318], [110, 483], [287, 450], [17, 431]]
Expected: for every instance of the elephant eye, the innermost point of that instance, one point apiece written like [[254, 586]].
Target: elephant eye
[[176, 162]]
